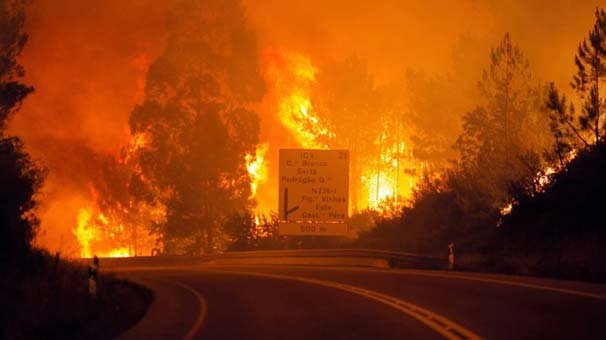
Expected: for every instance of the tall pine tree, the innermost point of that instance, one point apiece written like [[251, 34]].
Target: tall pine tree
[[570, 129], [499, 143]]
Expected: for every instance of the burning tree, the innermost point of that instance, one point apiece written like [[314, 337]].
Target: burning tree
[[350, 103], [197, 120], [116, 224], [369, 121]]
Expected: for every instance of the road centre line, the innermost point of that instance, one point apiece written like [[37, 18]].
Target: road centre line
[[201, 312], [480, 279], [447, 328], [468, 277]]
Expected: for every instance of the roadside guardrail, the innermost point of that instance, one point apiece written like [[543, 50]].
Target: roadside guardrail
[[320, 257]]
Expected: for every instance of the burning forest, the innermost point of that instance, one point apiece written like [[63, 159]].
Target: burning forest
[[159, 122], [239, 163]]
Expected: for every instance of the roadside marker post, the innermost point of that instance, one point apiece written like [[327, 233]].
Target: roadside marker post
[[451, 259], [93, 271]]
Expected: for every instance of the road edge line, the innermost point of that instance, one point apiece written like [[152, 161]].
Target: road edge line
[[201, 312], [508, 283]]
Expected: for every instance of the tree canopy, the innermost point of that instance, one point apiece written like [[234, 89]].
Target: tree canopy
[[198, 123]]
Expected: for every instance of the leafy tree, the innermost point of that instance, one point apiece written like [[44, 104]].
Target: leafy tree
[[196, 116], [20, 177], [245, 233], [240, 229]]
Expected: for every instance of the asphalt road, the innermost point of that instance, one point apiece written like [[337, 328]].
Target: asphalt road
[[301, 302]]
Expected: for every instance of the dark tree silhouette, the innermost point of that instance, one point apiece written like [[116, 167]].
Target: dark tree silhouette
[[591, 71], [20, 177], [12, 41], [573, 130]]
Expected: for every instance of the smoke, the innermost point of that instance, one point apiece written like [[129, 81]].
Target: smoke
[[423, 35], [431, 53], [88, 61]]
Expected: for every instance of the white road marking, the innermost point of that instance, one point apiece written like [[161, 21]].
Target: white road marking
[[475, 278], [506, 282], [201, 312], [424, 273], [447, 328]]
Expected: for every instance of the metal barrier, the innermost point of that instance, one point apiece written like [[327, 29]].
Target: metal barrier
[[327, 257], [382, 258]]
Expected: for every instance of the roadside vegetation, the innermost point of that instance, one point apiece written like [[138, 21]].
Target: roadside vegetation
[[48, 298], [525, 193]]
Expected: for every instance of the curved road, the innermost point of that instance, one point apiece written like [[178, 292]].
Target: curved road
[[300, 302]]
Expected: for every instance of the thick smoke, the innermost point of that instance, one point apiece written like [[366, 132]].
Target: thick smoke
[[87, 63]]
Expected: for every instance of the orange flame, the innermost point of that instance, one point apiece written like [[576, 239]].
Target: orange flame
[[257, 168], [293, 80], [110, 236], [389, 174], [121, 230]]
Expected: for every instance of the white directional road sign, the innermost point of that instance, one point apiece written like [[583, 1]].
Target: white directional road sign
[[314, 191]]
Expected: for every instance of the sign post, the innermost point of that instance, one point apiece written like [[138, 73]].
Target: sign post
[[313, 192]]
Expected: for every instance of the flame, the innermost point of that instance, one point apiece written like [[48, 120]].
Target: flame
[[506, 210], [543, 179], [92, 229], [257, 168], [108, 235], [392, 174], [380, 188], [119, 252], [121, 229], [139, 141], [84, 233], [293, 78], [388, 173]]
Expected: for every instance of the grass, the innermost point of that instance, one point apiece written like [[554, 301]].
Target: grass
[[47, 298]]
